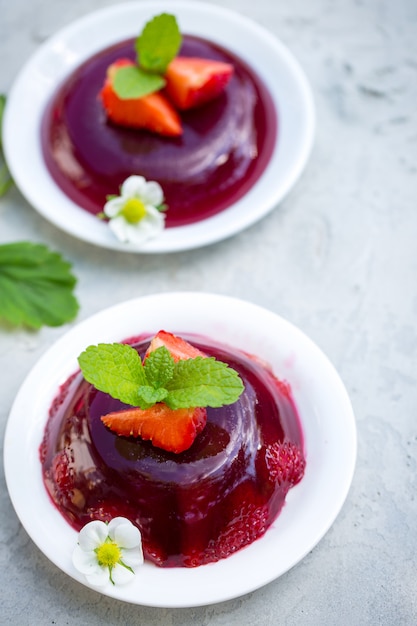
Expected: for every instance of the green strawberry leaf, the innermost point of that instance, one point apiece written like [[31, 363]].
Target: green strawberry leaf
[[159, 367], [203, 382], [36, 286], [158, 43], [149, 395], [133, 82], [2, 107], [115, 369], [6, 180]]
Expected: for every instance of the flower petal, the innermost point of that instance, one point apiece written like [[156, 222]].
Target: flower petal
[[120, 228], [99, 577], [148, 228], [153, 194], [92, 535], [155, 216], [133, 557], [84, 562], [139, 236], [121, 575], [133, 187], [113, 207], [124, 533]]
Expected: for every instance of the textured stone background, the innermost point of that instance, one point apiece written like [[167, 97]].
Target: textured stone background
[[338, 258]]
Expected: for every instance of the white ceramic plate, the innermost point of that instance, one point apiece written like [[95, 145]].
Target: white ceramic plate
[[60, 55], [311, 507]]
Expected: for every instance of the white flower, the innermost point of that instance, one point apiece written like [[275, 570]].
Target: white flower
[[134, 215], [108, 551]]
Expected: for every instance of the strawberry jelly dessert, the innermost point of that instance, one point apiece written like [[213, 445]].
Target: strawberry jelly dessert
[[225, 146], [192, 508]]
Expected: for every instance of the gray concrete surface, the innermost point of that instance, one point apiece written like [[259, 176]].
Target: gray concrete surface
[[338, 258]]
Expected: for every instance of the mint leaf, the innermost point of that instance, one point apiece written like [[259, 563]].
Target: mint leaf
[[6, 180], [158, 43], [202, 382], [159, 367], [132, 82], [115, 369], [156, 46], [148, 396], [36, 286]]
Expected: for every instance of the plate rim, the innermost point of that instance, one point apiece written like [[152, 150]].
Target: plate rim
[[150, 574], [229, 222]]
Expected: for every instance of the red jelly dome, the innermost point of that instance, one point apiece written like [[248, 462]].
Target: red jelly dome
[[225, 147], [194, 507]]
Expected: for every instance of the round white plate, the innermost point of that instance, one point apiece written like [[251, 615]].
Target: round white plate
[[311, 507], [61, 54]]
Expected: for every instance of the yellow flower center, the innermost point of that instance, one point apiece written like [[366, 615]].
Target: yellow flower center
[[108, 554], [133, 210]]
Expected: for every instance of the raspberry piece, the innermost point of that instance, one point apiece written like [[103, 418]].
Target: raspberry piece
[[62, 472], [285, 463], [249, 521]]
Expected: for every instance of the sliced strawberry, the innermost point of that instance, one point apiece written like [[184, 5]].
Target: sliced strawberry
[[171, 430], [178, 347], [192, 82], [153, 112]]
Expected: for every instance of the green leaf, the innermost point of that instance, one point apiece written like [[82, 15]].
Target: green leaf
[[6, 180], [114, 368], [132, 82], [2, 107], [117, 370], [203, 382], [36, 286], [158, 43], [148, 395], [159, 367]]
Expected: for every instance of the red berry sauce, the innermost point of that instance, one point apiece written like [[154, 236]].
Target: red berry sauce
[[192, 508], [225, 147]]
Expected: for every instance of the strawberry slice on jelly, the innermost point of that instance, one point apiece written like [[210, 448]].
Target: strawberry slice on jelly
[[192, 81], [168, 429], [173, 430], [153, 112], [177, 347]]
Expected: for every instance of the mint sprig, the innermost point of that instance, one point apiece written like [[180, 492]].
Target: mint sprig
[[36, 286], [155, 47], [117, 369]]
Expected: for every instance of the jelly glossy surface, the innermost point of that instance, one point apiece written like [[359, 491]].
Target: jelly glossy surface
[[223, 151], [194, 507]]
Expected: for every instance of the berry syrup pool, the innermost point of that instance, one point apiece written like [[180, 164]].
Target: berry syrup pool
[[225, 147], [192, 508]]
